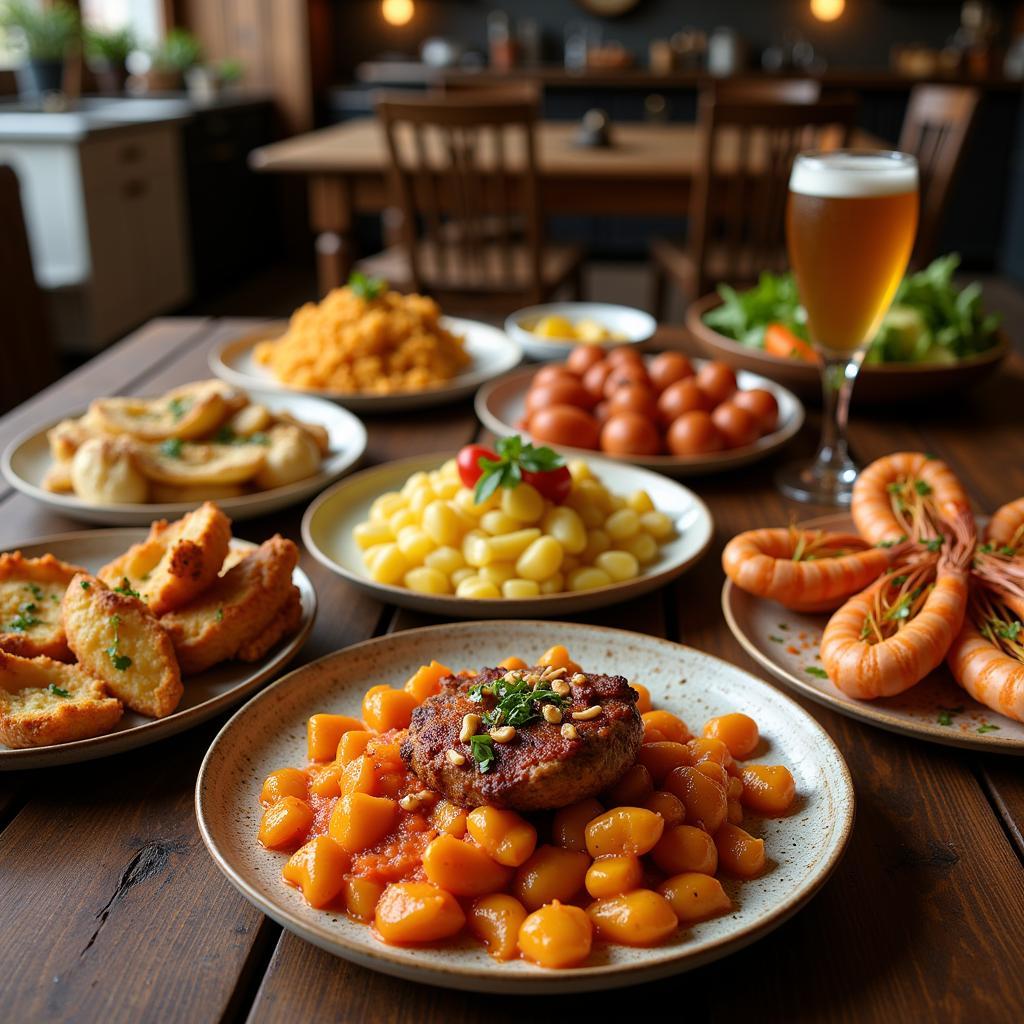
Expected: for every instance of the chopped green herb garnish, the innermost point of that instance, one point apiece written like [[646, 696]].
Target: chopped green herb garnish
[[922, 488], [23, 622], [35, 590], [85, 584], [986, 727], [367, 288], [481, 746], [172, 447], [892, 543], [120, 661], [818, 673], [220, 615], [226, 435], [1007, 550], [782, 625], [933, 544], [776, 639], [126, 588], [57, 691], [1008, 630], [985, 549], [179, 406], [946, 715]]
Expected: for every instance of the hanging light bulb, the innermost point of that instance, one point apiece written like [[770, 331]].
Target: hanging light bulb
[[397, 12], [827, 10]]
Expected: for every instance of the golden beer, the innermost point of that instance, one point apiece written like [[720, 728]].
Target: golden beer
[[850, 226]]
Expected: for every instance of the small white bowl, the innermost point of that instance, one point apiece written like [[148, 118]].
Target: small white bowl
[[634, 325]]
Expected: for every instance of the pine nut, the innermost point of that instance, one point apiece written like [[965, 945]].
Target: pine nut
[[413, 801], [569, 732], [505, 734], [578, 679], [455, 758], [561, 687], [588, 713], [532, 679], [470, 724], [551, 714]]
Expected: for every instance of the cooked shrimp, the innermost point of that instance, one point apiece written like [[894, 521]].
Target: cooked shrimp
[[901, 496], [804, 570], [1006, 527], [888, 638], [987, 656]]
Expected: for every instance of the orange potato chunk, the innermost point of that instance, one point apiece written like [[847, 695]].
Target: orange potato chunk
[[639, 918], [353, 743], [671, 727], [426, 681], [737, 731], [463, 869], [324, 732], [610, 876], [624, 830], [284, 824], [324, 780], [707, 749], [684, 848], [768, 789], [361, 896], [739, 853], [695, 897], [505, 836], [359, 821], [318, 869], [714, 771], [386, 708], [670, 807], [450, 818], [358, 776], [661, 756], [513, 664], [569, 825], [558, 657], [496, 919], [632, 789], [556, 936], [284, 782], [643, 701], [704, 799], [551, 873], [414, 912]]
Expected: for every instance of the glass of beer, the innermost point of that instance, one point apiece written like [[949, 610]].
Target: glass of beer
[[851, 219]]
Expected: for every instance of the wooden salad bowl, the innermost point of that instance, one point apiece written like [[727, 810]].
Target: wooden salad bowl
[[876, 385]]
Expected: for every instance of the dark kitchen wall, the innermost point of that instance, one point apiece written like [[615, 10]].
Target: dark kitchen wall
[[861, 37]]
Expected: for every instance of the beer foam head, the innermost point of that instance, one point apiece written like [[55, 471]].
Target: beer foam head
[[846, 175]]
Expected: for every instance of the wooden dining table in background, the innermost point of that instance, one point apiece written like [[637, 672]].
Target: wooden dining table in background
[[111, 909], [648, 170]]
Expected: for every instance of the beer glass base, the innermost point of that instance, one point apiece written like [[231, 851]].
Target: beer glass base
[[817, 483]]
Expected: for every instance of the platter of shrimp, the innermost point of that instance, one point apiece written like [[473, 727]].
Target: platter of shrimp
[[906, 613]]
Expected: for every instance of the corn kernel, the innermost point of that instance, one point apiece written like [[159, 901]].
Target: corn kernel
[[622, 524], [510, 546], [658, 525], [389, 565], [523, 503], [519, 589], [465, 573], [425, 580], [597, 541], [579, 470], [414, 483], [497, 522], [643, 547], [443, 524], [620, 565], [498, 572], [449, 469], [542, 559], [640, 502], [553, 584], [477, 588], [476, 548], [421, 499], [445, 559], [588, 578], [372, 532], [404, 517], [414, 543], [566, 526], [386, 506]]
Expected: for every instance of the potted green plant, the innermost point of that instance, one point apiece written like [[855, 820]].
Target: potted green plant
[[107, 53], [45, 33], [205, 81], [179, 51]]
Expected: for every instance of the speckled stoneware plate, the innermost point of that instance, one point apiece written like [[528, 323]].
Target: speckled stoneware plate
[[270, 732], [501, 405], [205, 695], [328, 523], [27, 460], [937, 709], [492, 351]]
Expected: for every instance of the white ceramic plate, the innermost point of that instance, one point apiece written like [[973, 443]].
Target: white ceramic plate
[[205, 695], [786, 644], [634, 325], [328, 523], [493, 352], [270, 732], [502, 404], [27, 459]]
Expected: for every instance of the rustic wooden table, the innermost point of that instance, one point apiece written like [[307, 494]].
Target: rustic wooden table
[[112, 910], [647, 171]]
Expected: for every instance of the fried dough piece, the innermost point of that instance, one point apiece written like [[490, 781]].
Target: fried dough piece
[[116, 639], [57, 479], [238, 608], [284, 624], [291, 455], [104, 472], [196, 464], [176, 562], [43, 701], [30, 594], [67, 437]]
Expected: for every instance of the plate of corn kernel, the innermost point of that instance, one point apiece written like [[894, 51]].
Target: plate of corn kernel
[[508, 531]]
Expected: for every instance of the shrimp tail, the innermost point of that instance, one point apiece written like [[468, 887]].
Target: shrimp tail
[[961, 538]]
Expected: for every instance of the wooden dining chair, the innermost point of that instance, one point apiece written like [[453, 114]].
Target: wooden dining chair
[[936, 128], [464, 169], [766, 90], [30, 361], [738, 205]]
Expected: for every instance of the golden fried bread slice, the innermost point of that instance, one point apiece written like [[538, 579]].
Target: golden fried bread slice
[[176, 562], [117, 639], [43, 701], [285, 623], [30, 594], [237, 608]]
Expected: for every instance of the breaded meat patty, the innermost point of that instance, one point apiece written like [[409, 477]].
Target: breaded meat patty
[[552, 760]]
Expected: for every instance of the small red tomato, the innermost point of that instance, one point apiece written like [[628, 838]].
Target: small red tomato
[[583, 357], [468, 462], [668, 368], [694, 433], [680, 398], [630, 433], [558, 392], [633, 398], [623, 354], [565, 425], [551, 373], [717, 381], [736, 425], [594, 378], [623, 374], [553, 484], [761, 405]]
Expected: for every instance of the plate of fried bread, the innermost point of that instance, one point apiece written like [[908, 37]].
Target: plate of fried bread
[[127, 460], [112, 639]]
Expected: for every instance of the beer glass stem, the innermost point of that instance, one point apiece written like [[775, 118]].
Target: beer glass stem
[[834, 467]]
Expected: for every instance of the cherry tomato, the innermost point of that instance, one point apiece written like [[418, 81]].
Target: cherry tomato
[[554, 484], [625, 373], [551, 373], [761, 405], [583, 357], [633, 398], [468, 461], [566, 425], [680, 398], [594, 378], [717, 381], [736, 425], [558, 392], [694, 433], [668, 368], [630, 433]]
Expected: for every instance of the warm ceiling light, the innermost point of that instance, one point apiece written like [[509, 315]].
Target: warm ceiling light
[[827, 10], [400, 12]]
